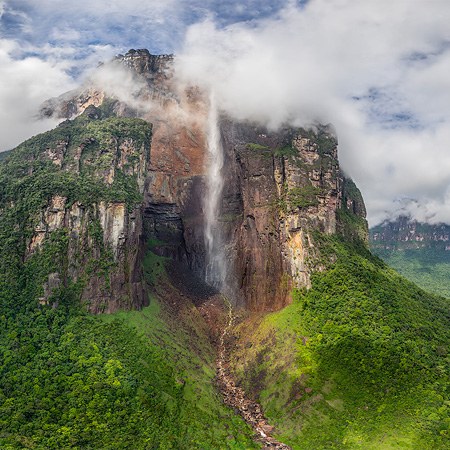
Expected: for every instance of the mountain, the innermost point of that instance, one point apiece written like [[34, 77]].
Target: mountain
[[419, 251], [173, 278]]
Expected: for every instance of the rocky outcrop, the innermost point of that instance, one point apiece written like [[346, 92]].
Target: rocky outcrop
[[149, 80], [156, 70], [87, 180], [280, 187]]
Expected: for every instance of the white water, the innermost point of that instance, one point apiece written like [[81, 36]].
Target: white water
[[216, 270]]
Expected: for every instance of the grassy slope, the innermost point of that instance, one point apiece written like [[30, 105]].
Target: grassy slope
[[358, 362], [205, 423], [139, 379]]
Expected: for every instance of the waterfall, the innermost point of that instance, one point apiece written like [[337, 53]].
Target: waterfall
[[215, 258]]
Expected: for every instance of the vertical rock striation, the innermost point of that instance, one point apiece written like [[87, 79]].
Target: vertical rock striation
[[75, 195], [280, 188]]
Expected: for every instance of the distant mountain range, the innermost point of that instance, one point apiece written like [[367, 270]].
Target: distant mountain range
[[419, 251]]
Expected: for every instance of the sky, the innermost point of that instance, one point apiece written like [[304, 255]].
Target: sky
[[378, 70]]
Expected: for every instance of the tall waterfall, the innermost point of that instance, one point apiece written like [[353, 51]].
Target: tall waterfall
[[216, 267]]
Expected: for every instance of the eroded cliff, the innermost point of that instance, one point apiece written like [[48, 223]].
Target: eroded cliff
[[280, 188], [74, 195]]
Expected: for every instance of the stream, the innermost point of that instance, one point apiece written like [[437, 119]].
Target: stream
[[235, 396]]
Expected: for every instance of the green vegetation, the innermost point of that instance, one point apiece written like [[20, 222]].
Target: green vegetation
[[288, 151], [298, 197], [418, 251], [204, 422], [3, 155], [256, 147], [360, 361], [325, 142], [302, 197], [351, 226], [128, 380], [29, 180], [70, 380]]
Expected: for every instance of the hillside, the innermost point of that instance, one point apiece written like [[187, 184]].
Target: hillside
[[359, 361]]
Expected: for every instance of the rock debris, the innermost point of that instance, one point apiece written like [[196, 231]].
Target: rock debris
[[235, 397]]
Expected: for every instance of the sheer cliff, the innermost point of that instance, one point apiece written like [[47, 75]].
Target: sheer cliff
[[74, 196], [280, 186]]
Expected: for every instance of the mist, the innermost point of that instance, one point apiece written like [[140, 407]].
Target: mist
[[25, 84]]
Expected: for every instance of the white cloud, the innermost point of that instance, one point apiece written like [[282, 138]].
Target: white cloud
[[310, 64], [24, 85]]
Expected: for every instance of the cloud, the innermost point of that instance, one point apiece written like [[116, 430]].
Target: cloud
[[378, 73], [50, 46], [24, 85]]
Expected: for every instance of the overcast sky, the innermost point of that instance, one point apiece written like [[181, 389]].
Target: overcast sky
[[379, 70]]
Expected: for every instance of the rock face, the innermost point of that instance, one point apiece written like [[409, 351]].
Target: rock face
[[104, 239], [83, 185], [280, 187]]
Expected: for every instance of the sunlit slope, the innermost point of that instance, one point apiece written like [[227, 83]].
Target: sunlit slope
[[360, 361]]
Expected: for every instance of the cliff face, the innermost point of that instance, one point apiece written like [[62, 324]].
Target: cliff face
[[280, 187], [74, 195]]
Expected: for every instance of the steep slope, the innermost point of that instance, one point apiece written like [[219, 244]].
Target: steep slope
[[360, 361], [73, 197], [278, 185], [419, 251]]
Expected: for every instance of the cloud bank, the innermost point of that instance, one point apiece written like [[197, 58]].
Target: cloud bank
[[24, 85], [378, 72]]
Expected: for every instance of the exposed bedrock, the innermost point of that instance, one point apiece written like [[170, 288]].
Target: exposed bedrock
[[279, 187]]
